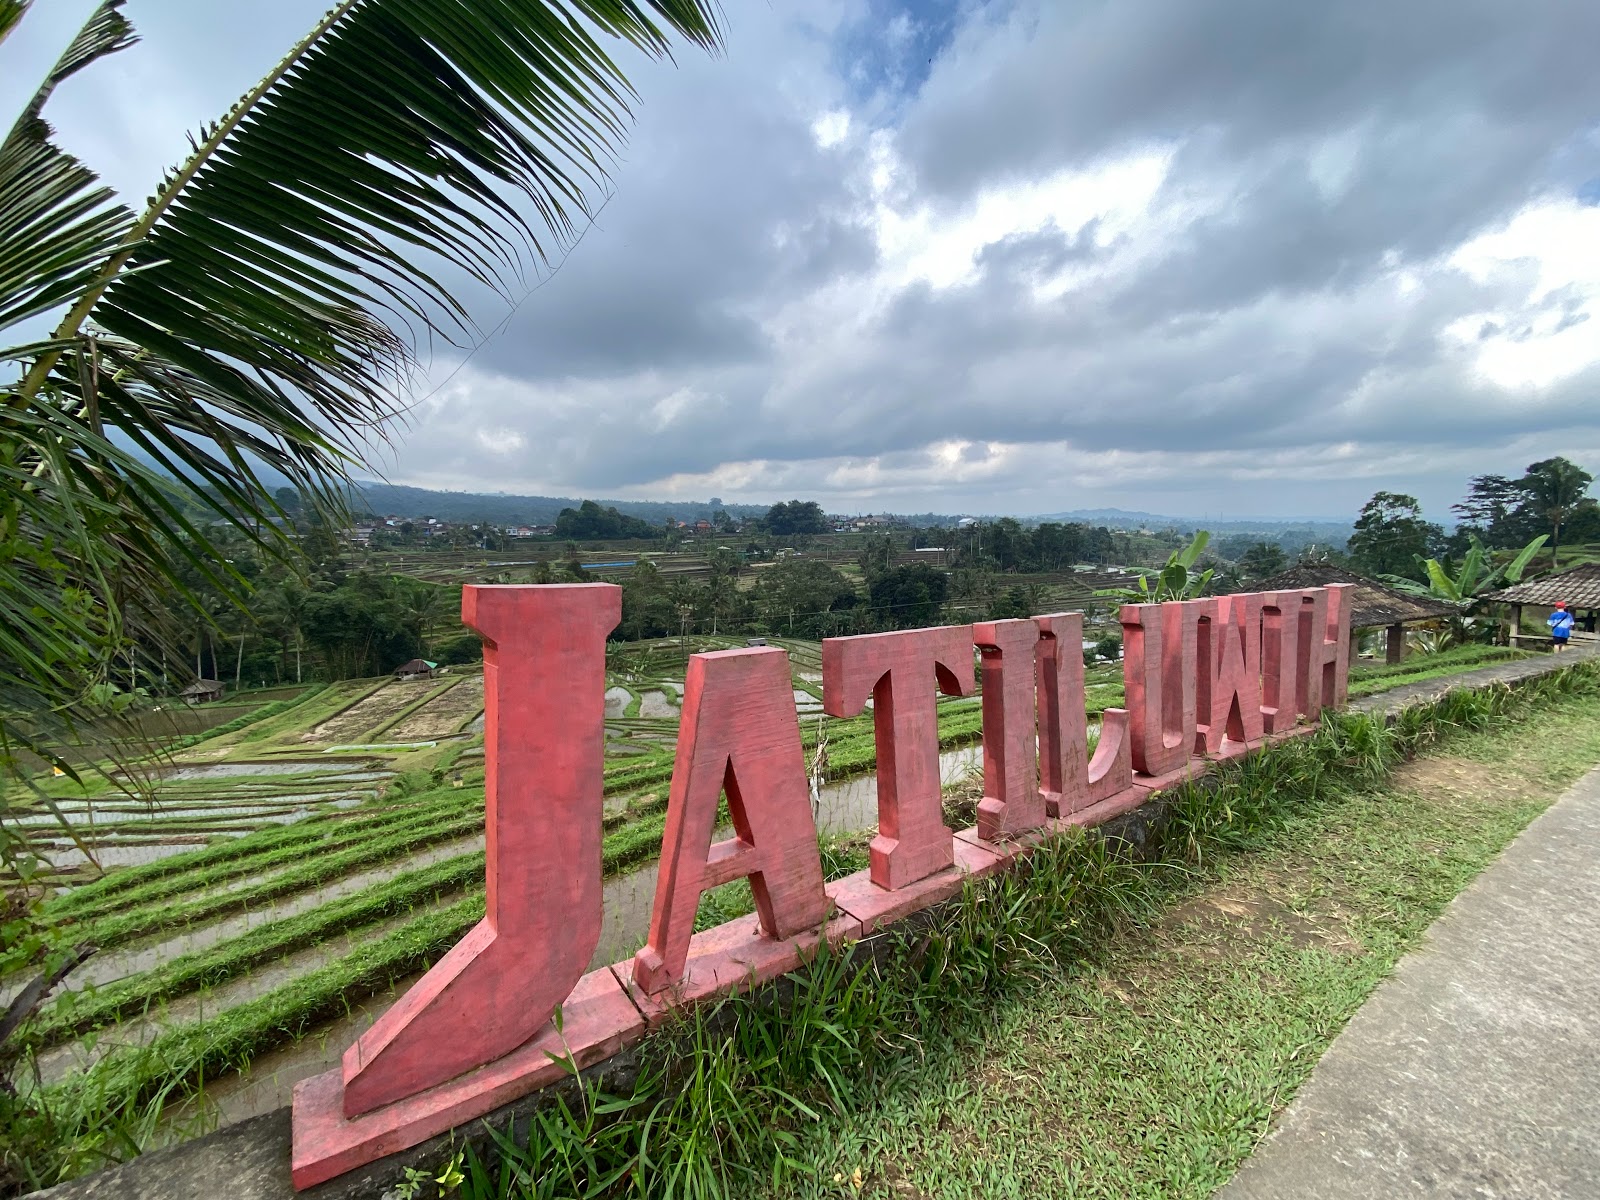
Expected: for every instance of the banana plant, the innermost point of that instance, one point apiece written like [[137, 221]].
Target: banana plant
[[1476, 575], [1177, 580], [1464, 586]]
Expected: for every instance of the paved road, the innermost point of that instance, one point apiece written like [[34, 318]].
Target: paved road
[[1474, 1071]]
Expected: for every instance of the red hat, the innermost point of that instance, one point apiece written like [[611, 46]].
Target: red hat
[[1561, 603]]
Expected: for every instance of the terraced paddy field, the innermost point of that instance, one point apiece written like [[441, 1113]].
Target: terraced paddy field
[[261, 895]]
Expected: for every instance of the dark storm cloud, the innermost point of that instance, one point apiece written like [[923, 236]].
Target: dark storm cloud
[[1041, 83]]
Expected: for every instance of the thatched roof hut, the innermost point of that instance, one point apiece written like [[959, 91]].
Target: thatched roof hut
[[201, 691]]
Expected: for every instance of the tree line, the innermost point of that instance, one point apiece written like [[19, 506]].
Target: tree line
[[1392, 537]]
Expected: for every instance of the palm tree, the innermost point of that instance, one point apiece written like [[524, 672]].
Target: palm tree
[[259, 311], [1554, 488], [423, 604], [1465, 585]]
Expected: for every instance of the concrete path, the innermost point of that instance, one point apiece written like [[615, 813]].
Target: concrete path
[[1474, 1071], [1508, 672]]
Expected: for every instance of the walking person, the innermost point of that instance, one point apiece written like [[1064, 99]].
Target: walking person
[[1560, 623]]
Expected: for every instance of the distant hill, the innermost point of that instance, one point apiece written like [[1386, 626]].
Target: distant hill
[[1118, 518], [501, 509]]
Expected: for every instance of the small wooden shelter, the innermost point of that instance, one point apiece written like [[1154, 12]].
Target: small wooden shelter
[[202, 691], [1373, 605], [417, 668], [1576, 587]]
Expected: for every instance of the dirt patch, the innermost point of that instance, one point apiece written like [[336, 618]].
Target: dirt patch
[[1220, 925], [1455, 779], [441, 716], [885, 1180], [656, 706], [353, 723]]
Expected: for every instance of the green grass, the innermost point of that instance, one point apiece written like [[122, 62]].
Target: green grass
[[1090, 1026], [264, 712], [1368, 680], [264, 849]]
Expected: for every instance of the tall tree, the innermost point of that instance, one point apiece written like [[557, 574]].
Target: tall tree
[[1391, 538], [1555, 489], [1487, 510], [1263, 560], [795, 517]]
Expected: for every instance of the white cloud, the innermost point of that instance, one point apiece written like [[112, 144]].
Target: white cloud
[[1550, 252], [831, 128]]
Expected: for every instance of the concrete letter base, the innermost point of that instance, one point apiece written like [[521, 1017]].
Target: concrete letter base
[[598, 1021], [732, 957], [874, 907]]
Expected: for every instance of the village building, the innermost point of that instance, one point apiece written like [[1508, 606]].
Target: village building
[[1373, 605], [1577, 587], [202, 691], [417, 668]]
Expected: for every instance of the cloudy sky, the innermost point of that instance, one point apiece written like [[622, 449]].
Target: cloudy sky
[[1247, 257]]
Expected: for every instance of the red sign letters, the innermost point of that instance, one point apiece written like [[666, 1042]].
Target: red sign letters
[[1206, 677]]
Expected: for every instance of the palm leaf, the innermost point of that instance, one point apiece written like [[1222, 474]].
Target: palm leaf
[[1403, 584], [1442, 585], [11, 14], [1190, 554], [1470, 578], [281, 263], [57, 225]]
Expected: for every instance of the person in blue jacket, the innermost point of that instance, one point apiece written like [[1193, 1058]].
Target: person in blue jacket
[[1560, 623]]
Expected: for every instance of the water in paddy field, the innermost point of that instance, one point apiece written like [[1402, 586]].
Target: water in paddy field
[[848, 806]]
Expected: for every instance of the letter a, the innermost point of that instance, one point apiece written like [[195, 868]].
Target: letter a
[[544, 733], [739, 734]]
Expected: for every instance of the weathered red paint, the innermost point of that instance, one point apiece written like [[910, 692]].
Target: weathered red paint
[[861, 898], [544, 698], [1229, 662], [1069, 780], [1159, 648], [898, 671], [1111, 768], [739, 734], [732, 957], [1280, 659], [597, 1021], [1012, 803]]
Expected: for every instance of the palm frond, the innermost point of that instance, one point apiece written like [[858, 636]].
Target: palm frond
[[1190, 554], [57, 225], [11, 14], [287, 262], [1514, 569], [106, 32]]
